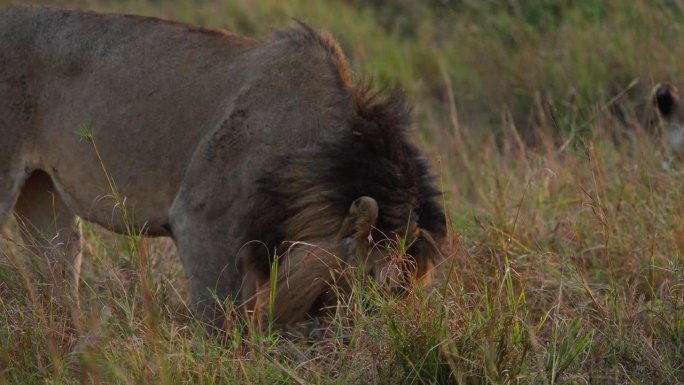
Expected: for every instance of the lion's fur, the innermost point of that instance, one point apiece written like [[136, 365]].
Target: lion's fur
[[235, 147]]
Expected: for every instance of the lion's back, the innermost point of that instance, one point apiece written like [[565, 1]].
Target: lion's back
[[145, 89]]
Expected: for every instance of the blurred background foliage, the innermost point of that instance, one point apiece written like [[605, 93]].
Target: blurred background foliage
[[554, 65]]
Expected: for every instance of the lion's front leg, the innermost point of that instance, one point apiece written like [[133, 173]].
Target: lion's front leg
[[210, 263]]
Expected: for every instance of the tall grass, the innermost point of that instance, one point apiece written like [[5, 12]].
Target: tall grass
[[566, 236]]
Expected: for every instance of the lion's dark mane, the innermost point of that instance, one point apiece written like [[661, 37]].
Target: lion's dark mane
[[373, 158]]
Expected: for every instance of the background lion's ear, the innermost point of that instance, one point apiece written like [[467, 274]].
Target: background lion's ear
[[666, 99]]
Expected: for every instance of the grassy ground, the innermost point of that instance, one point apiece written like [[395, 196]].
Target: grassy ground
[[567, 233]]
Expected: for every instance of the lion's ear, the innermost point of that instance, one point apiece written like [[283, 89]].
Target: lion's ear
[[357, 226], [364, 214], [666, 99]]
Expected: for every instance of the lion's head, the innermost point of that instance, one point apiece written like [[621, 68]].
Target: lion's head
[[363, 201]]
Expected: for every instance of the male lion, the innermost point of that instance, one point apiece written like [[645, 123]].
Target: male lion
[[240, 150]]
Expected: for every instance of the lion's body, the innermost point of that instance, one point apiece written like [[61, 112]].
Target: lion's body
[[186, 122]]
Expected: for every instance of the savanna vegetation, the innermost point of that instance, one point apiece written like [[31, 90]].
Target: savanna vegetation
[[566, 251]]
